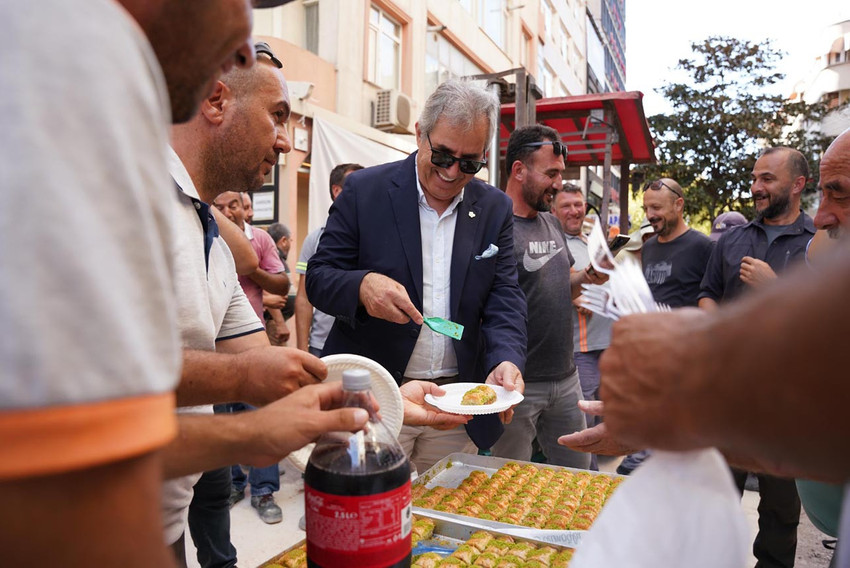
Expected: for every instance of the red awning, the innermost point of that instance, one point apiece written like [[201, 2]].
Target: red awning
[[569, 115]]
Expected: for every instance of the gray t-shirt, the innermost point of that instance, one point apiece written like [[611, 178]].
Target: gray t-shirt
[[674, 270], [591, 333], [322, 322], [543, 262]]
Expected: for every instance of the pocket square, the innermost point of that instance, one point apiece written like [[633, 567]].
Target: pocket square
[[488, 252]]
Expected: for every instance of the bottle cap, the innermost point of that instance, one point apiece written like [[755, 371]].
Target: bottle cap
[[356, 379]]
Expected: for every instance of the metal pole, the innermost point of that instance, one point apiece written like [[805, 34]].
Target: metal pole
[[494, 145], [624, 197], [606, 185]]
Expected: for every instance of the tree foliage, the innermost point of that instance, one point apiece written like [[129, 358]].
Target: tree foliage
[[722, 116]]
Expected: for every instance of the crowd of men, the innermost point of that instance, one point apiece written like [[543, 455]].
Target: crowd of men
[[110, 439]]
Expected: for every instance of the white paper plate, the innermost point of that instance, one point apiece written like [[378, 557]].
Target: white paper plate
[[384, 388], [450, 402]]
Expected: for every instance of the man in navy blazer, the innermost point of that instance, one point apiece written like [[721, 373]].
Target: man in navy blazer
[[422, 236]]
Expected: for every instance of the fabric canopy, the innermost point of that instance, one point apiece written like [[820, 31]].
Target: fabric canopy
[[333, 145]]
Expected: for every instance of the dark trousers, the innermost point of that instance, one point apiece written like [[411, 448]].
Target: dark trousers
[[779, 514], [209, 520]]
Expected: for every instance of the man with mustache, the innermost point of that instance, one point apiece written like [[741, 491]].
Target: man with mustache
[[743, 260], [535, 162]]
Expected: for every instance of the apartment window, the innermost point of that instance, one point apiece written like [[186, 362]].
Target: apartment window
[[311, 21], [545, 79], [492, 17], [564, 43], [444, 61], [547, 18], [384, 65]]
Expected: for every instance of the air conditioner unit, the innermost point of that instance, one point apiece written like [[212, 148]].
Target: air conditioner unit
[[393, 112]]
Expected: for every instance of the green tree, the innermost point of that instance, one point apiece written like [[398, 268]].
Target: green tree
[[722, 116]]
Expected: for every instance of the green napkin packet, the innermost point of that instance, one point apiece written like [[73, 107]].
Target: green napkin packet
[[446, 327]]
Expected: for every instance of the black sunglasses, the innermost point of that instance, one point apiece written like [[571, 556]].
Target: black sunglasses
[[445, 160], [658, 184], [262, 47], [558, 148]]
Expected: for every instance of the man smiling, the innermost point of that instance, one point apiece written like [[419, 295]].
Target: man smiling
[[535, 163], [407, 239]]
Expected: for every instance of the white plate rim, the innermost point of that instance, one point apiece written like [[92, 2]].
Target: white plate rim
[[505, 399]]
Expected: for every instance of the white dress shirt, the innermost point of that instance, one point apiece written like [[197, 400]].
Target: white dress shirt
[[434, 356]]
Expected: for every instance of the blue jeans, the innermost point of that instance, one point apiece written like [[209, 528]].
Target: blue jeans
[[263, 480]]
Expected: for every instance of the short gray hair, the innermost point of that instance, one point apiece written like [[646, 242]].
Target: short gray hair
[[461, 104], [278, 230]]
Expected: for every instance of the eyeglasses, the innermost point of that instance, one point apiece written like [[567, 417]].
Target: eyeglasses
[[265, 49], [658, 184], [445, 160], [558, 148]]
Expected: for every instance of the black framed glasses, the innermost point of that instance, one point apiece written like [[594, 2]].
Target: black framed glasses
[[445, 160], [658, 184], [558, 148], [262, 47]]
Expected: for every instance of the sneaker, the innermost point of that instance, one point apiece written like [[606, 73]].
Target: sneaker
[[269, 512], [236, 495]]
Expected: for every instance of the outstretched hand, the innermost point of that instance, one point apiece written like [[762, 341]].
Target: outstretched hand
[[386, 299], [595, 440], [419, 413]]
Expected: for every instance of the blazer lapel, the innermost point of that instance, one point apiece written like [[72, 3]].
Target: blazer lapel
[[467, 230], [405, 203]]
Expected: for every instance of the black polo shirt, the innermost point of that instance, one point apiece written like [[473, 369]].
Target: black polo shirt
[[722, 281]]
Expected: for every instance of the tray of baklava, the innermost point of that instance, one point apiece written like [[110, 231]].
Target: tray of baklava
[[440, 542], [542, 502]]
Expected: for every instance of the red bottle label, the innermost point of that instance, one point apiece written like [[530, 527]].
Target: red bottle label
[[358, 532]]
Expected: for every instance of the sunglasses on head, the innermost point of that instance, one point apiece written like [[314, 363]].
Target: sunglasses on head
[[558, 148], [263, 48], [658, 184], [445, 160]]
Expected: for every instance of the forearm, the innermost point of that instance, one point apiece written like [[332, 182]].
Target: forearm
[[100, 516], [208, 441], [708, 304], [303, 316], [768, 355], [577, 278], [209, 378], [240, 247], [274, 283]]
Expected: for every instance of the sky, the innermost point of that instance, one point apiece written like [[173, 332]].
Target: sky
[[659, 33]]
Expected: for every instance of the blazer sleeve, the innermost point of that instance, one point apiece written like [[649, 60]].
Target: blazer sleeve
[[333, 278], [505, 318]]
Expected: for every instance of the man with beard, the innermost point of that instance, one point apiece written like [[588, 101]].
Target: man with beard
[[743, 260], [673, 260], [535, 162]]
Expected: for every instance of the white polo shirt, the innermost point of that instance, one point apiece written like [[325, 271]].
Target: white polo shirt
[[210, 307]]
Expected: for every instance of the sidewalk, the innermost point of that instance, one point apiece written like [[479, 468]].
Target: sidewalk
[[256, 541]]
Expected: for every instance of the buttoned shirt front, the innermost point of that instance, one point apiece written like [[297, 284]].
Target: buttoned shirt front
[[433, 356]]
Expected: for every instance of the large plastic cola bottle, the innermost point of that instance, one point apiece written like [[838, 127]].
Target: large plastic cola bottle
[[357, 492]]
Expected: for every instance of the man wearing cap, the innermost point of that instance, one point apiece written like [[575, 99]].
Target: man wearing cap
[[423, 235], [725, 222], [591, 332], [535, 164], [743, 260]]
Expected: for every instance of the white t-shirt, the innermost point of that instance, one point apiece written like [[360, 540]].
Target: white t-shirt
[[211, 306], [90, 352]]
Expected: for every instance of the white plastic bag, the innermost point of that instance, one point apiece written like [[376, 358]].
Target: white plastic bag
[[676, 510]]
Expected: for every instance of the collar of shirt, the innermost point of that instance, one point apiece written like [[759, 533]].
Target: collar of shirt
[[249, 231], [802, 223], [184, 184]]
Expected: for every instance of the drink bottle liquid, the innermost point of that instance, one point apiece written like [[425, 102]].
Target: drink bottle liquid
[[357, 492]]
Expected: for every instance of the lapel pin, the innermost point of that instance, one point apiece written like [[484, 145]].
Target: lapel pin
[[472, 214]]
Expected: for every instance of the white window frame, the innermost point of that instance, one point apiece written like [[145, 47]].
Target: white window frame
[[375, 55]]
